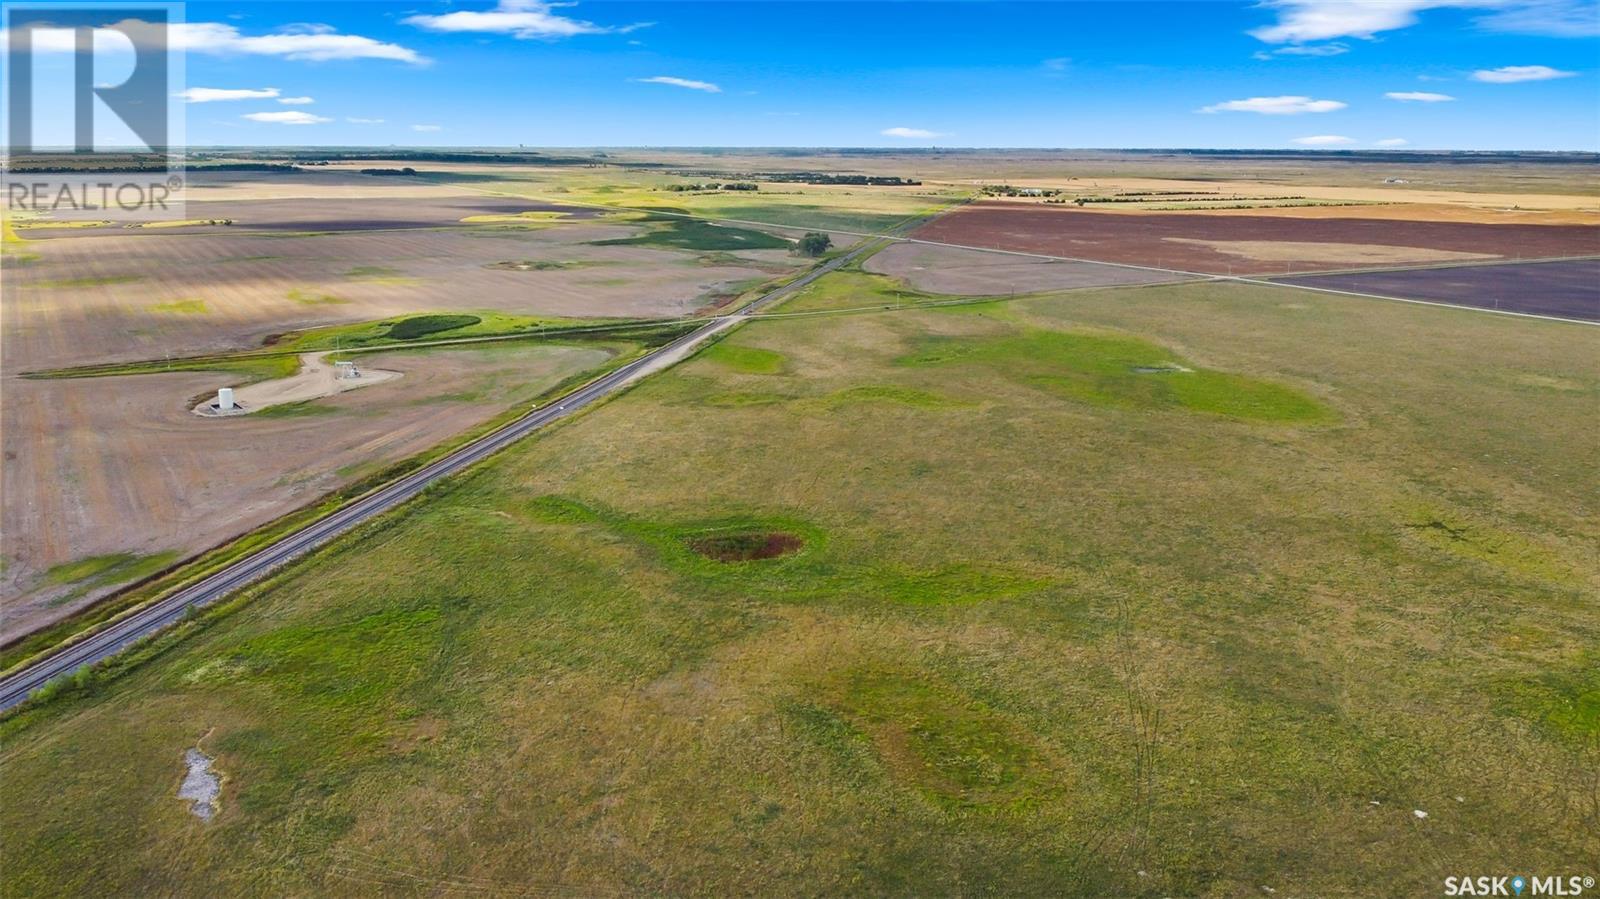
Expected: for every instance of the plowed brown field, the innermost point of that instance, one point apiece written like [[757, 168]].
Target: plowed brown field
[[1244, 244]]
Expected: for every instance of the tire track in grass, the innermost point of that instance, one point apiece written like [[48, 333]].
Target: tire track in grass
[[1144, 715]]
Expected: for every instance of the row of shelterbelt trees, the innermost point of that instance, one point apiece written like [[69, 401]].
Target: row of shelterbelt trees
[[716, 185], [790, 178], [828, 178], [1007, 190]]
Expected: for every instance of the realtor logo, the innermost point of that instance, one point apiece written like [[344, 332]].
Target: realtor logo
[[140, 101], [90, 119]]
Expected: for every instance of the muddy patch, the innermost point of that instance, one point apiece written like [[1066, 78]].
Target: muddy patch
[[201, 786], [746, 546], [1169, 368], [540, 265]]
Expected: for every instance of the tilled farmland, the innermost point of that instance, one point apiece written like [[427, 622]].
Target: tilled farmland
[[1240, 244]]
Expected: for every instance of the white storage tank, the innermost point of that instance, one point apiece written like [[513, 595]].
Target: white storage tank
[[225, 399]]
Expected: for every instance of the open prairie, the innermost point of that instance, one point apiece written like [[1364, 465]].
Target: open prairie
[[575, 450], [1198, 589]]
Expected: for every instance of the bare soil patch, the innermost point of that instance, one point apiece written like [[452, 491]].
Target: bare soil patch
[[745, 547], [1148, 238], [316, 379], [201, 787]]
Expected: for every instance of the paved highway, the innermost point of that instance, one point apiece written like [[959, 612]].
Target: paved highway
[[103, 644]]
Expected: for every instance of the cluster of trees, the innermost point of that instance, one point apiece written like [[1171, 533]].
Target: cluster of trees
[[814, 244], [529, 158], [408, 170], [1175, 196], [826, 178], [715, 185], [1007, 190]]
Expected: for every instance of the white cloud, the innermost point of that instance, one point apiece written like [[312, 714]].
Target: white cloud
[[689, 83], [1514, 74], [1057, 64], [355, 121], [287, 117], [1553, 18], [314, 44], [319, 46], [523, 19], [296, 101], [1300, 21], [1334, 49], [1276, 105], [911, 133], [1418, 97], [1324, 140], [1391, 142], [426, 128], [215, 94]]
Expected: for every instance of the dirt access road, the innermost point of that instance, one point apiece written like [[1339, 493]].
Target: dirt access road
[[316, 378]]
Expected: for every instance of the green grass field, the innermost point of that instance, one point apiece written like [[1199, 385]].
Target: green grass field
[[1037, 622]]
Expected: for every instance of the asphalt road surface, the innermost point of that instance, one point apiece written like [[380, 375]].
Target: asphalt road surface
[[103, 644]]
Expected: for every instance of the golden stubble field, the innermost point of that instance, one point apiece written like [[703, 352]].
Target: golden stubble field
[[127, 297], [106, 466]]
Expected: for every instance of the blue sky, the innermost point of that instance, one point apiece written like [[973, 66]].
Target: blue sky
[[1477, 74]]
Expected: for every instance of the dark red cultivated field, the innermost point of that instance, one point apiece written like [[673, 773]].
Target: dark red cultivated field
[[1567, 289], [1165, 240]]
